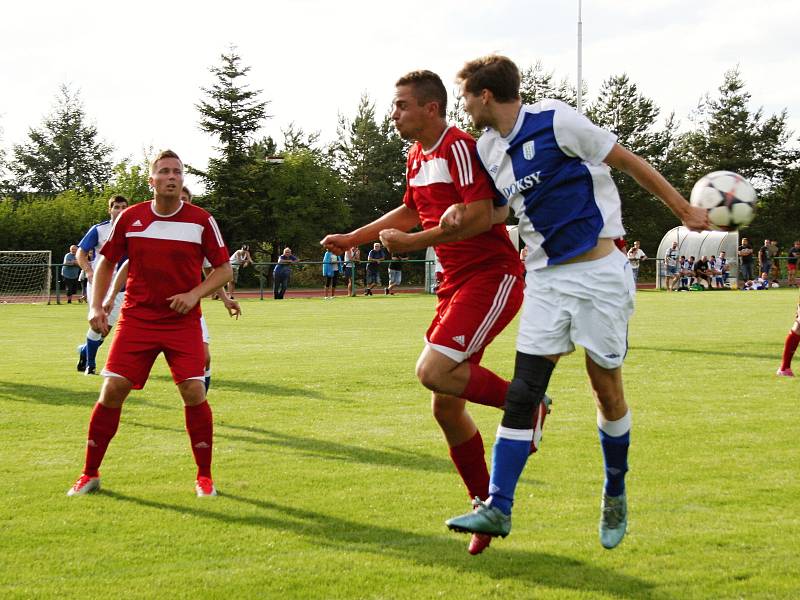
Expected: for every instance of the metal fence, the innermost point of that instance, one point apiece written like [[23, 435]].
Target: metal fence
[[305, 275]]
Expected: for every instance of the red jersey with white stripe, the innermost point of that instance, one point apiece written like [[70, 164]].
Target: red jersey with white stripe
[[166, 255], [450, 173]]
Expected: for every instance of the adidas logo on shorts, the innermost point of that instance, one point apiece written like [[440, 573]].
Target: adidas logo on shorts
[[459, 339]]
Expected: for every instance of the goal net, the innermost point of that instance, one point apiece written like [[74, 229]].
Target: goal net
[[25, 276]]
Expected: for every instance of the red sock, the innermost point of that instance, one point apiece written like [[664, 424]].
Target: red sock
[[484, 387], [103, 425], [470, 461], [788, 349], [200, 426]]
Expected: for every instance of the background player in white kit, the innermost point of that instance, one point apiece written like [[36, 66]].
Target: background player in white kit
[[551, 164], [92, 242]]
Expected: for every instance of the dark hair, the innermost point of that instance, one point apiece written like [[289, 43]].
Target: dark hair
[[495, 73], [428, 87], [187, 192], [117, 199], [163, 154]]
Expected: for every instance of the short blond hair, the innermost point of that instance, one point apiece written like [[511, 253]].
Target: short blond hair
[[163, 154]]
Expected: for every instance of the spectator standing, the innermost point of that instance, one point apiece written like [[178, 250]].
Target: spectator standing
[[70, 271], [352, 256], [671, 266], [282, 273], [745, 253], [374, 259], [636, 254], [764, 260], [774, 252], [791, 263], [330, 270], [395, 272], [239, 259]]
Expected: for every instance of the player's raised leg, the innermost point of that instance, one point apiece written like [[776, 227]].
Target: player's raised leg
[[614, 426], [103, 426], [511, 448]]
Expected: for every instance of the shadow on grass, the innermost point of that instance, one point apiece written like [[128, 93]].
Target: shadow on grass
[[254, 387], [56, 396], [324, 449], [536, 569], [703, 352], [44, 394]]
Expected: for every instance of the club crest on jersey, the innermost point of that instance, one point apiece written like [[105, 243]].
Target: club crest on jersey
[[528, 150]]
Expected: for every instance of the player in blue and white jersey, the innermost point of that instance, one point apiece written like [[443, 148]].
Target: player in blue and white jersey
[[91, 244], [552, 165]]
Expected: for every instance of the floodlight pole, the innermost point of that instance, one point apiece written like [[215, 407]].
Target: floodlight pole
[[579, 94]]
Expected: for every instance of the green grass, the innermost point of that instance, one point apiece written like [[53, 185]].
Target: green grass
[[335, 481]]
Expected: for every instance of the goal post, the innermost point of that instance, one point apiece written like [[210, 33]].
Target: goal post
[[25, 276]]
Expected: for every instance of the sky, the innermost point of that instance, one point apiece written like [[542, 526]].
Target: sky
[[140, 66]]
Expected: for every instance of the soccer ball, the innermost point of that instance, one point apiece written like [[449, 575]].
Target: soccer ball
[[728, 197]]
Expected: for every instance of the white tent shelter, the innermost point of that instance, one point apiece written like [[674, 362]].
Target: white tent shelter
[[697, 244]]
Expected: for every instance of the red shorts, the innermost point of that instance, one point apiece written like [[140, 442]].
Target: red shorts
[[791, 267], [136, 346], [470, 315]]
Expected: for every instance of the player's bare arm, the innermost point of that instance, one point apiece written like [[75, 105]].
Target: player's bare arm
[[477, 218], [402, 218], [234, 310], [98, 319], [651, 180], [83, 260], [452, 217], [186, 301], [119, 280]]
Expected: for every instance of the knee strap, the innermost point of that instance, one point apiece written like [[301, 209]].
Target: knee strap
[[526, 390]]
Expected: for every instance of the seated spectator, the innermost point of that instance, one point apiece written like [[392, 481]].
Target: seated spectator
[[687, 272], [721, 270], [701, 271]]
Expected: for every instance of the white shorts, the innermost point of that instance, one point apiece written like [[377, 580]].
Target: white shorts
[[204, 328], [587, 303]]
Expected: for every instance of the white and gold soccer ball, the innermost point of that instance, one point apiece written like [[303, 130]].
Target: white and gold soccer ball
[[728, 197]]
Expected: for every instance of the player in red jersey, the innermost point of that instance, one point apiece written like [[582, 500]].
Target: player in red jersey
[[481, 291], [161, 313]]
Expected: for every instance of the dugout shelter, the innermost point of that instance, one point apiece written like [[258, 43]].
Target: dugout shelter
[[697, 244]]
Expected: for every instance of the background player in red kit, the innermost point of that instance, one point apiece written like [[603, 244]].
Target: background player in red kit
[[165, 241], [482, 286]]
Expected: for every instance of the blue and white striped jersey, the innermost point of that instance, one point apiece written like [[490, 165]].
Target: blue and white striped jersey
[[550, 169], [95, 238]]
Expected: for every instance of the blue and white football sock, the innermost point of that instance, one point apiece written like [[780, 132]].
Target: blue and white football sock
[[615, 440], [511, 450], [93, 342]]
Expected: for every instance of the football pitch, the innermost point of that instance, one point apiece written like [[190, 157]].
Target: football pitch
[[335, 481]]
